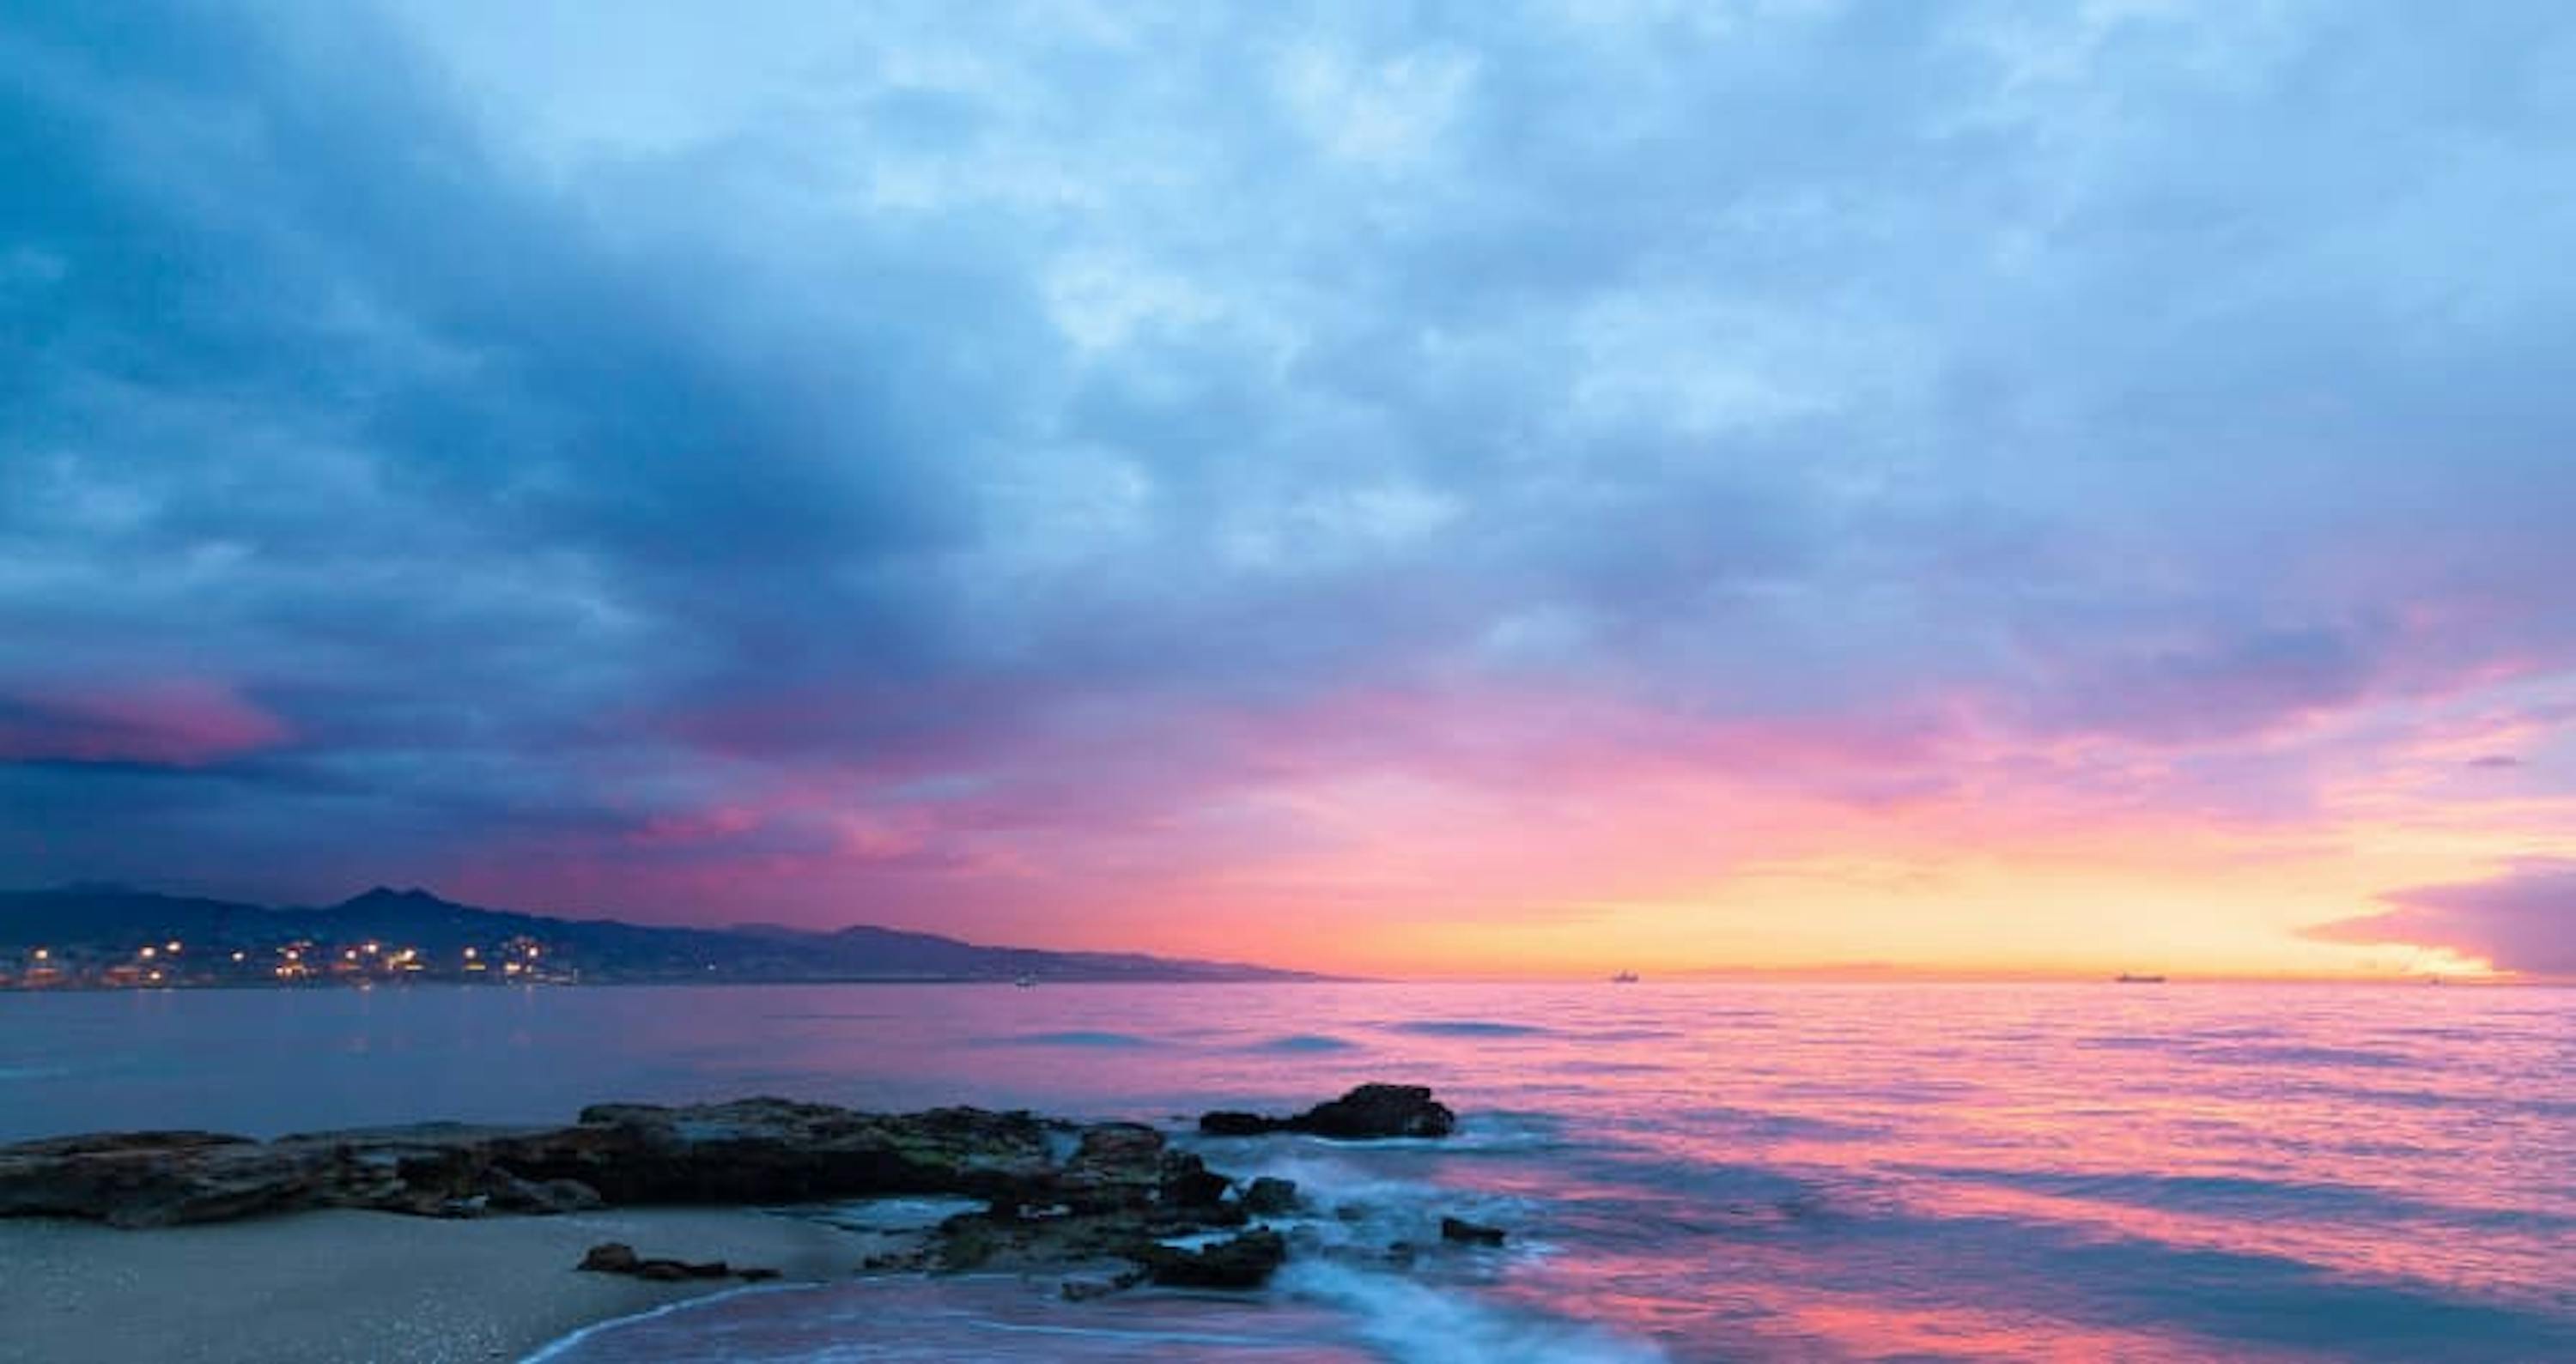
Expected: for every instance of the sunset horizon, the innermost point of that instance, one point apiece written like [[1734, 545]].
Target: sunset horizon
[[1287, 682]]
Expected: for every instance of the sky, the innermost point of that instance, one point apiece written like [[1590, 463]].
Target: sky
[[1443, 489]]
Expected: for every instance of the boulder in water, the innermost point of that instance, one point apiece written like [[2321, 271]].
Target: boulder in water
[[1245, 1261], [1267, 1196], [1464, 1232], [1370, 1112]]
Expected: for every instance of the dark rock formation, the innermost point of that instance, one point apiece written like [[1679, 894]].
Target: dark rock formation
[[609, 1257], [1117, 1165], [1269, 1197], [1469, 1233], [1245, 1261], [1120, 1197], [1085, 1288], [617, 1257], [750, 1151], [1366, 1113], [1187, 1182], [154, 1179], [778, 1151]]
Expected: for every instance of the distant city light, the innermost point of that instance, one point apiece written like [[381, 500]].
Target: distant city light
[[174, 944], [44, 953], [238, 956], [470, 954], [149, 953]]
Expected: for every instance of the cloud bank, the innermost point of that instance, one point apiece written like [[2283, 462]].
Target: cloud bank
[[1054, 472]]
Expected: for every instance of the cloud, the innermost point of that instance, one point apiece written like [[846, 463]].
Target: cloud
[[175, 723], [918, 460], [2521, 920]]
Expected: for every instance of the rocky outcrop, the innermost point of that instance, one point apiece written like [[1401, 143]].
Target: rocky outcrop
[[1370, 1112], [1270, 1197], [750, 1151], [1463, 1232], [778, 1151], [1245, 1261], [617, 1257], [156, 1179], [1122, 1198]]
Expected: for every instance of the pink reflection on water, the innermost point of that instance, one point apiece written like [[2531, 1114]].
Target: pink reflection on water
[[1734, 1171]]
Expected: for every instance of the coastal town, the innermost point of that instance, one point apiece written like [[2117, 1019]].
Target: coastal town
[[174, 963], [119, 938]]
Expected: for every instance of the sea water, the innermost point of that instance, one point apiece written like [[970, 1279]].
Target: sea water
[[1688, 1172]]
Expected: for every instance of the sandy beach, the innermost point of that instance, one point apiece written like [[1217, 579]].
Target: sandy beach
[[342, 1287]]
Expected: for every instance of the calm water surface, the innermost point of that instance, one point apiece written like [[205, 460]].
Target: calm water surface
[[1717, 1172]]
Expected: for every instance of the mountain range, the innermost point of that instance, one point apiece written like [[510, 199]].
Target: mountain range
[[114, 935]]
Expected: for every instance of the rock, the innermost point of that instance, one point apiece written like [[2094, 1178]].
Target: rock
[[1373, 1111], [609, 1257], [1186, 1182], [1469, 1233], [1245, 1261], [617, 1257], [779, 1151], [1117, 1165], [752, 1151], [1084, 1289], [155, 1179], [1269, 1197], [1369, 1112]]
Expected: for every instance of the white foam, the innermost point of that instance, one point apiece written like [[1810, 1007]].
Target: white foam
[[1419, 1324]]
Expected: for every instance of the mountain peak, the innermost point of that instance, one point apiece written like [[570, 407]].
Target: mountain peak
[[378, 896]]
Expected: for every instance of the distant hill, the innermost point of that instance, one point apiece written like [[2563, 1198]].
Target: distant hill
[[109, 935]]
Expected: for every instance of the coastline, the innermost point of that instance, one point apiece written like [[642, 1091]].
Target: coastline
[[338, 1285], [447, 1242]]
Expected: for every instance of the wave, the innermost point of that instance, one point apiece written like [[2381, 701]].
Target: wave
[[1465, 1027], [1421, 1324], [1298, 1043], [576, 1345], [1078, 1037], [2247, 1196]]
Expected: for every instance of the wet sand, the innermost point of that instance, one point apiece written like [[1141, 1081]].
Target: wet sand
[[344, 1287]]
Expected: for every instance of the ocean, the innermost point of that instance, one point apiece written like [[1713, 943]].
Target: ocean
[[1758, 1171]]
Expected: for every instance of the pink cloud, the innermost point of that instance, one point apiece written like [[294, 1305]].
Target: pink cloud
[[175, 722], [2522, 920]]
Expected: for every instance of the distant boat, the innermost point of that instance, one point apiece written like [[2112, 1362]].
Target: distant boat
[[2124, 978], [1026, 982], [1624, 978]]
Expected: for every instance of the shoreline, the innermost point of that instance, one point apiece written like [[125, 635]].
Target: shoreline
[[444, 1242], [335, 1285]]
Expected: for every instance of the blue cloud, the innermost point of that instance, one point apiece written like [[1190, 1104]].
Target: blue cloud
[[560, 421]]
